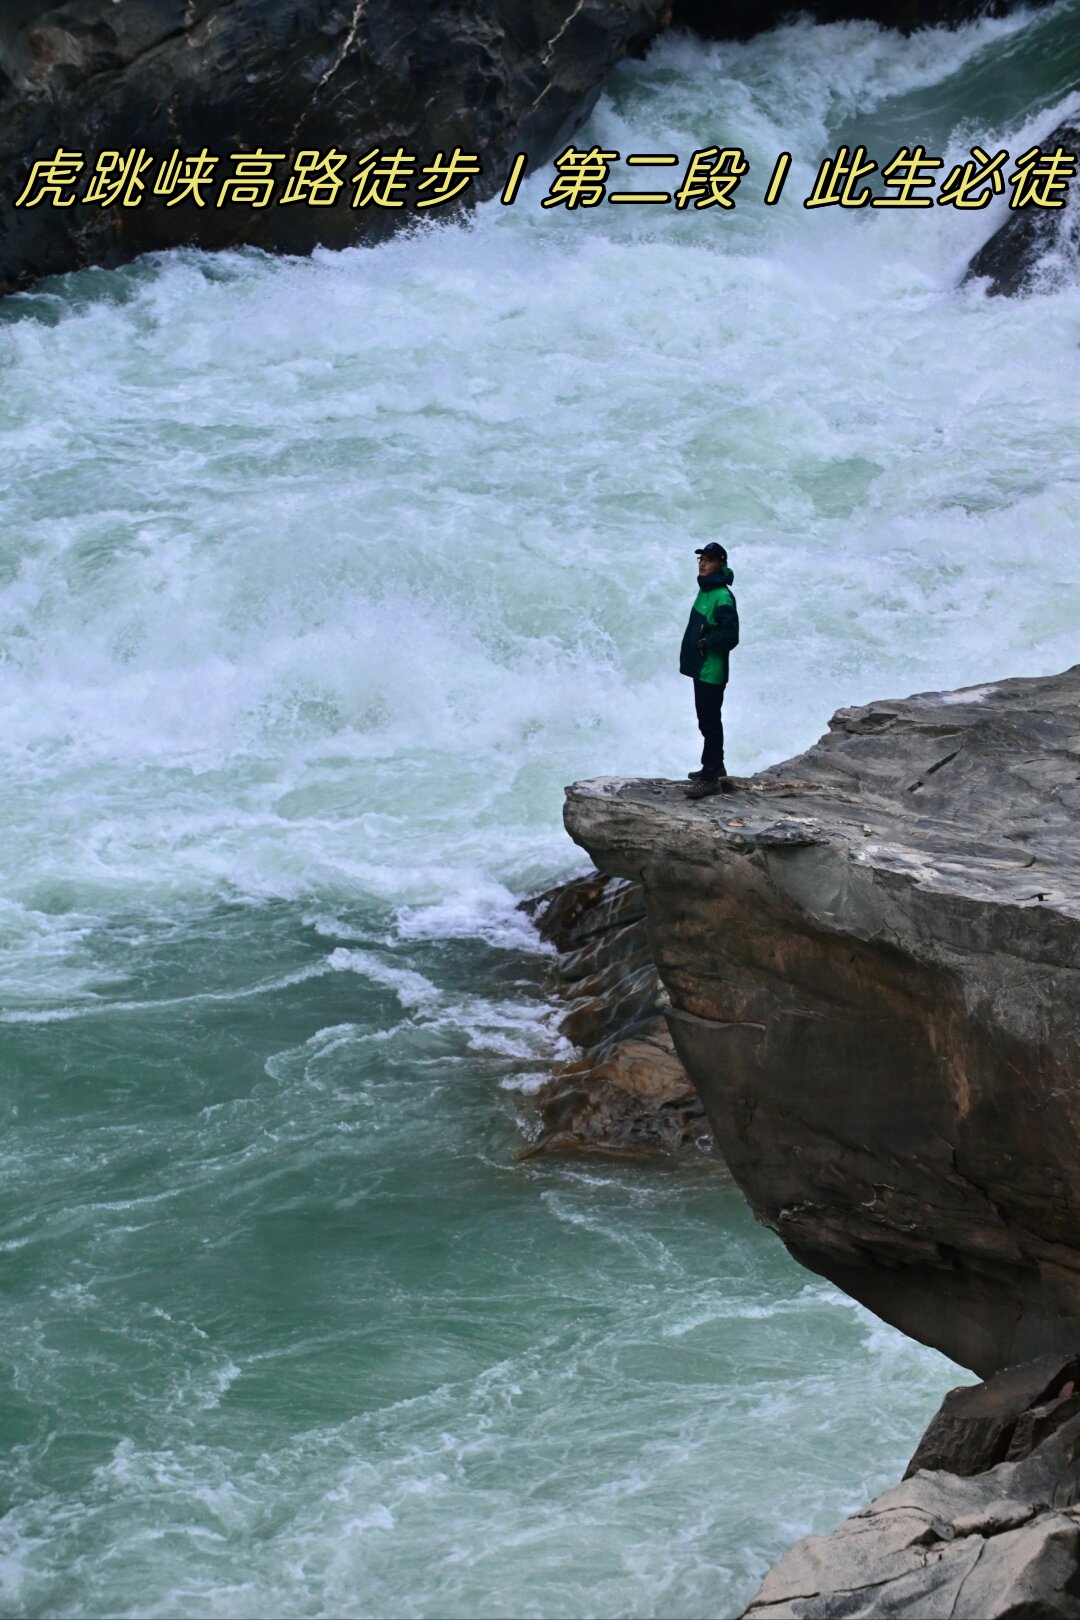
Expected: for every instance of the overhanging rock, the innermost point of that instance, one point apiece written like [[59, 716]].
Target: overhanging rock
[[873, 958]]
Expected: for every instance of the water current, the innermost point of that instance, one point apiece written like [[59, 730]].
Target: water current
[[318, 580]]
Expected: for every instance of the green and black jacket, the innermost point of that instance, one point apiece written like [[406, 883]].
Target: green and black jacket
[[712, 631]]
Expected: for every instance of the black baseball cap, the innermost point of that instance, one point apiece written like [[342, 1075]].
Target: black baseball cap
[[713, 549]]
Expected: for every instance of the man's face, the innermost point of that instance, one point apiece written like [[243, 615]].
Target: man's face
[[708, 565]]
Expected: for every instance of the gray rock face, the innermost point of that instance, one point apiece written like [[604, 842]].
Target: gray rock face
[[949, 1543], [1035, 244], [233, 75], [942, 1548], [872, 956]]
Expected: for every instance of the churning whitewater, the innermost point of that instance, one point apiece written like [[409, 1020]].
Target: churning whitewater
[[318, 580]]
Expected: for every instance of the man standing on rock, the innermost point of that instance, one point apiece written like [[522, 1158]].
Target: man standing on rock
[[712, 632]]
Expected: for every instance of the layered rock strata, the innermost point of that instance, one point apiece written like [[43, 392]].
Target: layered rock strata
[[231, 76], [627, 1091], [985, 1525], [873, 960]]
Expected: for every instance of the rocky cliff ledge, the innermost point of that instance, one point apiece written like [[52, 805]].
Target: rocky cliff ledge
[[873, 959]]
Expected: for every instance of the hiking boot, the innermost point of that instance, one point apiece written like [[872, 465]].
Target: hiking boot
[[695, 776], [703, 788]]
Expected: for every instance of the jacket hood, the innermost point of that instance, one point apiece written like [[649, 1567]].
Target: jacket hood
[[712, 582]]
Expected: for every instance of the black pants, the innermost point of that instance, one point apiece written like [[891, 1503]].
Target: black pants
[[709, 703]]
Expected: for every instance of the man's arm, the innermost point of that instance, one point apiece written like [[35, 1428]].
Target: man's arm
[[723, 633]]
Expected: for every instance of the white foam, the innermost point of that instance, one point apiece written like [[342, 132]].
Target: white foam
[[411, 989], [252, 659], [969, 694]]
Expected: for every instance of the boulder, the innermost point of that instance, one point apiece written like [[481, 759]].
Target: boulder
[[232, 76], [1035, 246], [872, 955], [1001, 1419]]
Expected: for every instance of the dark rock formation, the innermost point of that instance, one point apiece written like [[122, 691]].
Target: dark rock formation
[[874, 973], [627, 1092], [1001, 1420], [738, 19], [233, 75], [1035, 245], [960, 1537]]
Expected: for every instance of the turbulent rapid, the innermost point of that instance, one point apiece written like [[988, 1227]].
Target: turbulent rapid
[[318, 580]]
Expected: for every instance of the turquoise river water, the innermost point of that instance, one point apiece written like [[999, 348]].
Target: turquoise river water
[[318, 580]]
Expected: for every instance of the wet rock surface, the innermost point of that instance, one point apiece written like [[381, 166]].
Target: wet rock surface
[[956, 1541], [873, 959], [234, 75], [1035, 245], [627, 1092]]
